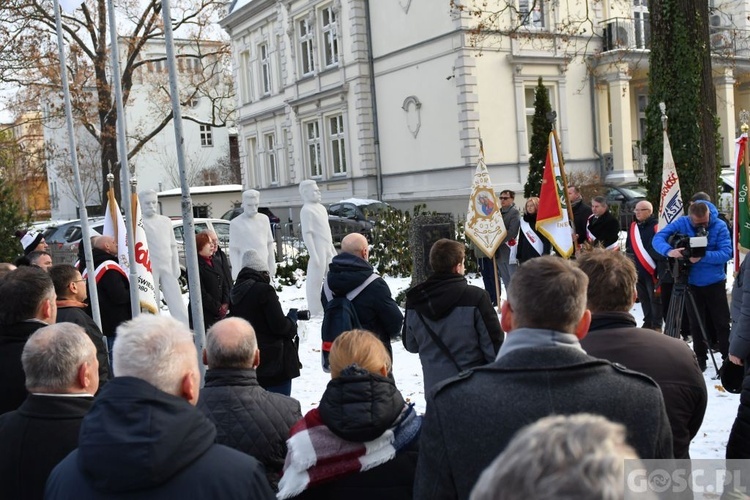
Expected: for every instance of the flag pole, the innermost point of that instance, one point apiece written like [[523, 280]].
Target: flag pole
[[191, 251], [494, 261], [552, 117], [85, 233]]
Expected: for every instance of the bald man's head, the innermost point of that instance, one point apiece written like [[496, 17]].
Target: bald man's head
[[231, 343], [106, 243], [643, 210], [355, 244]]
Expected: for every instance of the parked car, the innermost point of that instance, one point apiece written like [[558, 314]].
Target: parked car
[[219, 226], [626, 197], [64, 238], [354, 215]]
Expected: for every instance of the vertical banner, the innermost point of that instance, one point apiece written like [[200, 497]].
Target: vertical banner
[[741, 216], [670, 199], [553, 219], [484, 222], [146, 287]]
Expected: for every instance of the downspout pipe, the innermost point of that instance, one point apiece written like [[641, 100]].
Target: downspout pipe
[[594, 115], [375, 127]]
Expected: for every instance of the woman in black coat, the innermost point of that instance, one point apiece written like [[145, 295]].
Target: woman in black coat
[[360, 405], [254, 299], [531, 243], [214, 287]]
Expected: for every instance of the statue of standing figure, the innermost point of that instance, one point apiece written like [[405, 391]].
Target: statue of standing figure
[[165, 263], [251, 230], [316, 233]]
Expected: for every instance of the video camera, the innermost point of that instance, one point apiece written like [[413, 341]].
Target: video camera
[[693, 246]]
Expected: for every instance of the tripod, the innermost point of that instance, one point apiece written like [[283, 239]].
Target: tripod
[[673, 321]]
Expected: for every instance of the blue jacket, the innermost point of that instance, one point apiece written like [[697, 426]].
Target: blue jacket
[[711, 268]]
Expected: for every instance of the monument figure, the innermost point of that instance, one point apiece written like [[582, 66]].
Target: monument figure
[[251, 230], [316, 233], [165, 263]]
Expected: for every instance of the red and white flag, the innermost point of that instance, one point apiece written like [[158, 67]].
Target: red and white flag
[[552, 217]]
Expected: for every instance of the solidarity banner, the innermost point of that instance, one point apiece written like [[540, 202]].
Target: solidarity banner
[[670, 200]]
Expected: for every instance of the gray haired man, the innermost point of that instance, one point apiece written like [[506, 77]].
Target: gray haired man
[[62, 374]]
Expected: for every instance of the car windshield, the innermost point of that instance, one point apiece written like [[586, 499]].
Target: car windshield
[[634, 191], [375, 207]]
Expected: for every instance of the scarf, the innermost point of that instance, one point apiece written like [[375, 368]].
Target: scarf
[[316, 455]]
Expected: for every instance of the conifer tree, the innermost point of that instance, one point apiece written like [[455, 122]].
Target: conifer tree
[[541, 128]]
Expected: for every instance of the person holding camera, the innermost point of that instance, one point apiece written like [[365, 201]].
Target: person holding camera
[[702, 245], [254, 299]]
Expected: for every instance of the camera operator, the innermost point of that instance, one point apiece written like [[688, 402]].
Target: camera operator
[[254, 299], [706, 272]]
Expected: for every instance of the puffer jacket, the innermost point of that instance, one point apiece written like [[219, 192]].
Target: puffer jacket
[[359, 406], [248, 418], [462, 317], [711, 268]]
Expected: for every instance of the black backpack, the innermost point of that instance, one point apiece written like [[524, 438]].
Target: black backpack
[[339, 316]]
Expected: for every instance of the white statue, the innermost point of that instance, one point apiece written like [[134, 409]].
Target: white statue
[[316, 233], [251, 230], [162, 248]]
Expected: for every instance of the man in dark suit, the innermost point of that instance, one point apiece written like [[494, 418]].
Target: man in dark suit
[[602, 228], [62, 375], [581, 213], [614, 336], [540, 370]]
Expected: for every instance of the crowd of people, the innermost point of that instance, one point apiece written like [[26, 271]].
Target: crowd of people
[[570, 383]]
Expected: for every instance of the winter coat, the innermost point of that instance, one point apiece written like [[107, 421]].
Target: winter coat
[[376, 309], [512, 222], [34, 439], [248, 418], [470, 419], [140, 442], [711, 268], [71, 311], [222, 261], [12, 379], [738, 445], [526, 250], [113, 289], [462, 317], [254, 299], [613, 336], [581, 213], [647, 229], [214, 292], [606, 229], [360, 408]]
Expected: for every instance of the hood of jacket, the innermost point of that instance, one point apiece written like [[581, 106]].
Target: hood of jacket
[[346, 272], [245, 281], [138, 437], [437, 296], [360, 406]]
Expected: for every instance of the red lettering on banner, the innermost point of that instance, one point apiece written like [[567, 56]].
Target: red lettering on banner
[[141, 256], [671, 181]]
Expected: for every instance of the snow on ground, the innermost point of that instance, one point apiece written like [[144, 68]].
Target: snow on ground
[[308, 388]]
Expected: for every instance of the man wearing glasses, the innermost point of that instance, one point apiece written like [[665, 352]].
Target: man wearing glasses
[[506, 254], [641, 251]]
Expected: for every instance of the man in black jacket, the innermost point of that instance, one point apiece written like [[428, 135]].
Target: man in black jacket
[[614, 336], [581, 214], [247, 417], [647, 262], [376, 309], [541, 369], [61, 376], [144, 438], [27, 303], [71, 292], [602, 228]]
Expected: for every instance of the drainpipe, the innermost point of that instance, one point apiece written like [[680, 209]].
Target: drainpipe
[[594, 115], [376, 130]]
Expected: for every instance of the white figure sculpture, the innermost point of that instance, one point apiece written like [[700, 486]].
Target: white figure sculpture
[[251, 230], [316, 233], [162, 248]]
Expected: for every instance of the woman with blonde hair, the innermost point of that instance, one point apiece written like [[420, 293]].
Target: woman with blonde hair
[[531, 243], [361, 442]]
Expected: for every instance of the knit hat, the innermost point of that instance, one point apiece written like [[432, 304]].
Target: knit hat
[[252, 259], [30, 241]]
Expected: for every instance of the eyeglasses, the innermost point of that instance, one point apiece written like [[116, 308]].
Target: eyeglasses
[[505, 198], [641, 209]]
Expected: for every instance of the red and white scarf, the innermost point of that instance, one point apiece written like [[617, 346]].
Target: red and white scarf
[[532, 237], [316, 455], [102, 268], [590, 236], [639, 249]]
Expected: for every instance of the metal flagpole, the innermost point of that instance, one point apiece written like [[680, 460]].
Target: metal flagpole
[[191, 251], [122, 152], [85, 233]]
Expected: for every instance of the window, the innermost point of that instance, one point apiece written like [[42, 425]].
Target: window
[[158, 66], [531, 13], [306, 47], [246, 77], [642, 24], [336, 136], [265, 69], [330, 37], [529, 96], [201, 212], [313, 149], [251, 162], [207, 138], [192, 65], [271, 165]]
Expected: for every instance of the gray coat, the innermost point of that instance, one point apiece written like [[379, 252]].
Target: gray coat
[[471, 418]]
